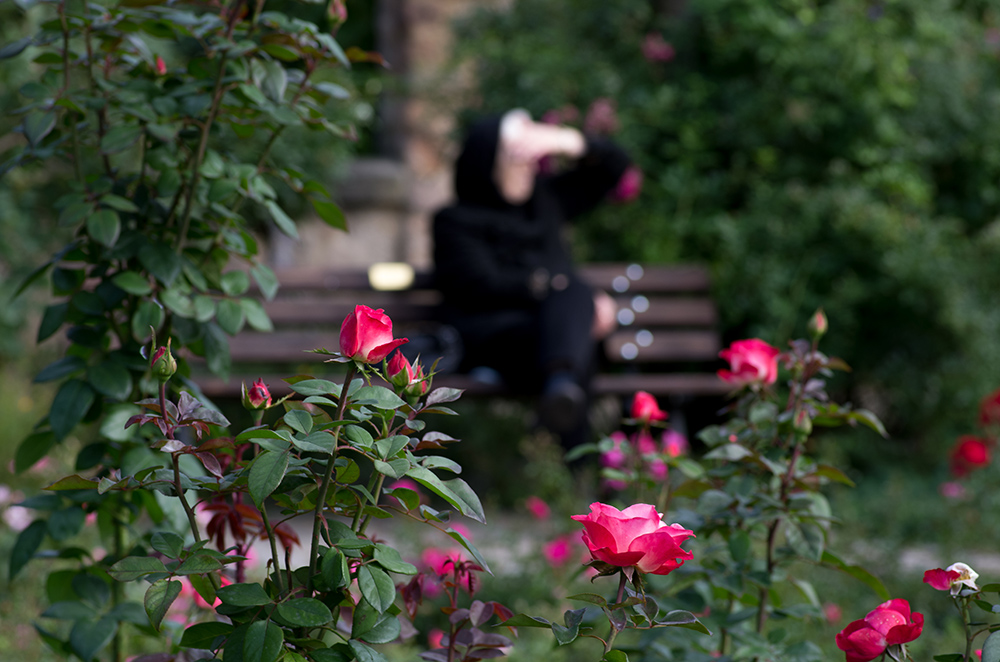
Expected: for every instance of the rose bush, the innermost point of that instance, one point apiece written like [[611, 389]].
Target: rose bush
[[889, 624], [634, 537], [752, 362], [366, 335]]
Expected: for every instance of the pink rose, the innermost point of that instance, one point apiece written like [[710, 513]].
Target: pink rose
[[617, 456], [656, 49], [257, 396], [888, 624], [675, 444], [602, 117], [559, 551], [751, 361], [161, 66], [629, 185], [969, 453], [366, 335], [635, 536], [646, 409], [538, 508]]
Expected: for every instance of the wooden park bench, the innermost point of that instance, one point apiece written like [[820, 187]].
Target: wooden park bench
[[667, 343]]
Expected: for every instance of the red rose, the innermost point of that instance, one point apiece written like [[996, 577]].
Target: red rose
[[646, 409], [969, 453], [888, 624], [635, 536], [751, 361], [955, 578], [366, 335], [989, 410]]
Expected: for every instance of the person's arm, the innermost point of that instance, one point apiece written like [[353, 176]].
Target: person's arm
[[594, 176]]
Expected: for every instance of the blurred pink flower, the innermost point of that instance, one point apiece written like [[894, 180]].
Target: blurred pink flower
[[434, 638], [629, 185], [563, 115], [675, 444], [658, 470], [644, 443], [656, 49], [17, 518], [602, 117], [615, 484], [832, 613], [538, 508], [616, 457], [440, 561], [559, 551], [952, 490]]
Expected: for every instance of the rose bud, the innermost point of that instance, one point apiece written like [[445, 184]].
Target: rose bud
[[257, 396], [399, 371], [163, 364]]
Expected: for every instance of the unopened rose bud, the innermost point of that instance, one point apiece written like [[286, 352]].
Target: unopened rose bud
[[818, 325], [163, 364], [399, 371], [418, 383], [257, 396], [161, 66]]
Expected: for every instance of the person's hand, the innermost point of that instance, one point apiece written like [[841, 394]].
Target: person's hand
[[605, 316], [529, 141]]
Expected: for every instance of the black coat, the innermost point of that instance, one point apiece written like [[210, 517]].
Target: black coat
[[491, 255]]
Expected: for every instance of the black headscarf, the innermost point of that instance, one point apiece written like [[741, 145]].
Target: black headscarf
[[474, 183]]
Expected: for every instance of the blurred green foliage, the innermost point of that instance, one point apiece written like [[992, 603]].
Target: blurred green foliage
[[840, 154]]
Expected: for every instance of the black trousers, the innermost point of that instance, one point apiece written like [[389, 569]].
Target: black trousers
[[528, 345]]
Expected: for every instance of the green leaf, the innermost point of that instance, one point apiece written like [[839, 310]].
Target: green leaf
[[177, 302], [204, 586], [120, 138], [205, 636], [74, 482], [256, 316], [683, 619], [52, 318], [132, 282], [309, 387], [739, 545], [363, 653], [305, 612], [858, 573], [991, 648], [275, 81], [161, 261], [119, 203], [331, 214], [235, 283], [379, 397], [950, 657], [68, 610], [65, 523], [592, 598], [281, 219], [394, 468], [147, 314], [104, 227], [334, 569], [868, 419], [199, 564], [244, 595], [111, 379], [264, 276], [376, 587], [263, 642], [167, 543], [805, 538], [299, 420], [70, 405], [615, 656], [389, 558], [159, 596], [217, 354], [266, 474], [15, 47], [91, 589], [569, 633], [834, 474], [525, 621], [230, 316], [37, 125], [470, 547], [61, 368], [455, 491], [28, 542], [87, 638], [34, 447], [131, 568]]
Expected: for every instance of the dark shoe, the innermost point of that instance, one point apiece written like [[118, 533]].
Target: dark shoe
[[562, 406]]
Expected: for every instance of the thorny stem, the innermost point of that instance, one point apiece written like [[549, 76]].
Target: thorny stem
[[328, 474], [618, 600], [963, 608], [274, 548]]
